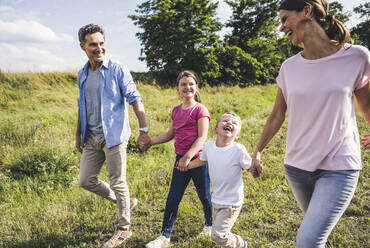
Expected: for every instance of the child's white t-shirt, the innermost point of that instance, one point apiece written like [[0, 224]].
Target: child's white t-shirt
[[322, 130], [225, 166]]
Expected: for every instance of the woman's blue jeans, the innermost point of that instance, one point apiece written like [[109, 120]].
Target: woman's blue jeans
[[323, 196], [180, 181]]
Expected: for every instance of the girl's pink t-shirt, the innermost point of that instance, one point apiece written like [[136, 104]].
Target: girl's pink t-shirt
[[185, 125], [322, 129]]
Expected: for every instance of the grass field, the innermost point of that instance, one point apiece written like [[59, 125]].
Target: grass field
[[41, 204]]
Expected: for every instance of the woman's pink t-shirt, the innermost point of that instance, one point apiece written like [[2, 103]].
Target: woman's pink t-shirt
[[185, 125], [322, 130]]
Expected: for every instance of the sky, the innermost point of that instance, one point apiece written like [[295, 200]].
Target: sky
[[41, 35]]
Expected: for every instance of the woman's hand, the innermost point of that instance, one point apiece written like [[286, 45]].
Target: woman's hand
[[256, 168], [365, 142]]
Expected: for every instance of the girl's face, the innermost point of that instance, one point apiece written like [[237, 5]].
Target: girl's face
[[187, 87], [292, 24]]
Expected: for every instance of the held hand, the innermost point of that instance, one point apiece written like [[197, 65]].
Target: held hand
[[182, 164], [78, 143], [143, 141], [365, 142], [256, 168]]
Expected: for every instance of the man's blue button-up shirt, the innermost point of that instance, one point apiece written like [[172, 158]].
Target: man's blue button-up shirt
[[117, 91]]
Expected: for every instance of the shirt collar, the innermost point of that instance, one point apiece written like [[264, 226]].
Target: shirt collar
[[104, 64]]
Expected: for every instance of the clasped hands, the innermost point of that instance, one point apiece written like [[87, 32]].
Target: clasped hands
[[144, 141]]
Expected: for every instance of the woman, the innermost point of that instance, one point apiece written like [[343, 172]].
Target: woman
[[316, 88]]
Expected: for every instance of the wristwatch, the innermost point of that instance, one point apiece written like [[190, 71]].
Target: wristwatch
[[144, 129]]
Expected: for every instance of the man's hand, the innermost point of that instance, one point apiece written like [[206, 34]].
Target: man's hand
[[78, 143], [143, 141]]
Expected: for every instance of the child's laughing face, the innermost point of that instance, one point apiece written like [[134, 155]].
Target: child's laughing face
[[228, 126]]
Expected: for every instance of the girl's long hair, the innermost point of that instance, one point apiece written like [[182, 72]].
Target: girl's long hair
[[334, 28], [194, 76]]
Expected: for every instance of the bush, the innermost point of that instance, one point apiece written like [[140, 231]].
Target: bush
[[238, 67], [223, 65], [132, 146]]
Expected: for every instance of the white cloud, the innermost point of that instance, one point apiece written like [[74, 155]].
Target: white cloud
[[29, 31], [4, 8], [28, 58]]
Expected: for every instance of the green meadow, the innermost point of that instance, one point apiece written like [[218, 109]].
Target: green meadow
[[41, 204]]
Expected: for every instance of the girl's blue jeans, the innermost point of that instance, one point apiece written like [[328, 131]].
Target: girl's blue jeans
[[180, 181], [323, 196]]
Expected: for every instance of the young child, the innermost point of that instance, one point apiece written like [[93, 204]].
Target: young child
[[225, 159], [189, 127]]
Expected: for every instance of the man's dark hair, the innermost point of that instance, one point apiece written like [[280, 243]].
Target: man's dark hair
[[89, 29]]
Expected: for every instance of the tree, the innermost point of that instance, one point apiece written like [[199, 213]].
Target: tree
[[173, 32], [362, 30], [252, 19], [336, 9], [254, 26]]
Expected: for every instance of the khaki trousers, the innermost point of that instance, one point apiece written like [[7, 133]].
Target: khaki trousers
[[224, 218], [94, 153]]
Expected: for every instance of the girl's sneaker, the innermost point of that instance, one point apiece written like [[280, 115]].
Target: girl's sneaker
[[160, 242], [206, 232]]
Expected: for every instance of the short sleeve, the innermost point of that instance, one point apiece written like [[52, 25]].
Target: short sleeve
[[245, 159], [203, 155], [280, 80], [203, 112], [364, 78]]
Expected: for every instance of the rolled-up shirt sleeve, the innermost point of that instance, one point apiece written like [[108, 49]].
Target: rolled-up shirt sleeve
[[128, 86]]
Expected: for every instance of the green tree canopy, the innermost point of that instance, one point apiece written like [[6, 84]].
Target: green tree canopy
[[336, 9], [255, 30], [362, 30], [252, 19], [173, 31]]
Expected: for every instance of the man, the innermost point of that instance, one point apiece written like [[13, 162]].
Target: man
[[106, 88]]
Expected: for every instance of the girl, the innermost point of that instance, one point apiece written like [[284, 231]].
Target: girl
[[317, 88], [189, 127]]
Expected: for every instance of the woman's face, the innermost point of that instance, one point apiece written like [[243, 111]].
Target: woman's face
[[292, 24]]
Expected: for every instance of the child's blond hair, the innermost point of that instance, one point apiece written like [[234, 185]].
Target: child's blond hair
[[232, 114]]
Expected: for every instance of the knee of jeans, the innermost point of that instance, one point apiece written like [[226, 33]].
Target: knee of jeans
[[308, 240]]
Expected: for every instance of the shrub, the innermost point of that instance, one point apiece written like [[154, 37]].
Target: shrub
[[132, 146], [238, 67]]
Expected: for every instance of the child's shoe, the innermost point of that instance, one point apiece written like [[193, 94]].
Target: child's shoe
[[206, 232], [118, 238], [160, 242]]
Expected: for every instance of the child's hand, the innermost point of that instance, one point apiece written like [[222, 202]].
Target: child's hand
[[365, 142], [182, 164], [256, 168]]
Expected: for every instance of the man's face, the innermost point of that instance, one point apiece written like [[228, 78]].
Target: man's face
[[94, 47]]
